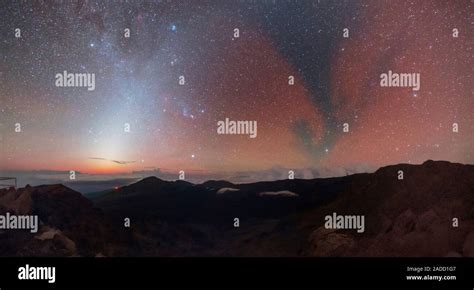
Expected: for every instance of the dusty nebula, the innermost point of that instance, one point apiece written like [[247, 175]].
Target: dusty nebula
[[334, 52]]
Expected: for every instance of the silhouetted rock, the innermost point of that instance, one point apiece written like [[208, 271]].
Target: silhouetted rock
[[414, 216], [69, 225]]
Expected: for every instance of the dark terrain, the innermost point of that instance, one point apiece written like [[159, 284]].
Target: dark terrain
[[409, 217]]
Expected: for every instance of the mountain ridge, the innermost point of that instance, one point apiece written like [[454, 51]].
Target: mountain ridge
[[408, 217]]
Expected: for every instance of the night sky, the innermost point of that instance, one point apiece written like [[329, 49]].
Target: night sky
[[173, 127]]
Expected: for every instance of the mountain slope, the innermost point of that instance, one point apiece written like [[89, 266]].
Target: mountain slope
[[430, 212]]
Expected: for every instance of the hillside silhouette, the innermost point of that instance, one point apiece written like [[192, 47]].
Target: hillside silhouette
[[409, 217]]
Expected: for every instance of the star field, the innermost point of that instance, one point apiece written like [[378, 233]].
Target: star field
[[172, 126]]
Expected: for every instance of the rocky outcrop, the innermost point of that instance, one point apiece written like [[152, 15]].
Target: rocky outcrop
[[69, 225], [330, 243], [430, 212]]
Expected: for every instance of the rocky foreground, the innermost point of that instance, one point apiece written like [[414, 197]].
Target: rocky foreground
[[428, 213]]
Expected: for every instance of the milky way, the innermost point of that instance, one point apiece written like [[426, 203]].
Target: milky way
[[244, 77]]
